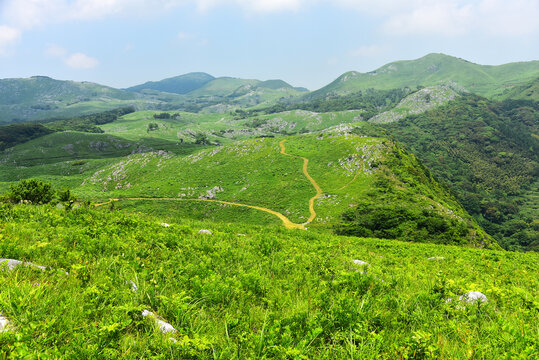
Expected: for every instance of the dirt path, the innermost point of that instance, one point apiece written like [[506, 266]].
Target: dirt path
[[286, 222], [317, 187]]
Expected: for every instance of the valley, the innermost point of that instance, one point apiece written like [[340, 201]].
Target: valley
[[262, 220]]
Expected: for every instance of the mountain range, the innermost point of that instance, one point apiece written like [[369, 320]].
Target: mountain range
[[41, 97]]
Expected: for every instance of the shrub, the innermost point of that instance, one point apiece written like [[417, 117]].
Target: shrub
[[32, 190]]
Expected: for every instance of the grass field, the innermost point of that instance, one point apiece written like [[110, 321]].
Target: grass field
[[252, 292]]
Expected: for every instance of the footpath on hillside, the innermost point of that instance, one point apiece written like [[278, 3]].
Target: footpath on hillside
[[286, 222]]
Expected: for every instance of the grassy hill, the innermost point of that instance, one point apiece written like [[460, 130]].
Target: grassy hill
[[260, 181], [41, 97], [252, 292], [179, 85], [528, 91], [435, 69]]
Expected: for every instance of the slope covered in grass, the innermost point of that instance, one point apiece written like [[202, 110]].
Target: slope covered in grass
[[435, 69], [252, 292], [311, 180]]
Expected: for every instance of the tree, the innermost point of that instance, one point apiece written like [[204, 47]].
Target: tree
[[201, 139]]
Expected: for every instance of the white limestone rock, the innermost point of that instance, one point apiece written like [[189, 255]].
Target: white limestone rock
[[164, 326], [165, 224], [473, 297], [436, 258], [205, 232], [4, 324], [361, 263], [12, 264]]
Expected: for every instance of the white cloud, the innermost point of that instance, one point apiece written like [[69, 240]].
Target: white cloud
[[8, 36], [368, 51], [510, 18], [54, 50], [81, 61], [437, 18]]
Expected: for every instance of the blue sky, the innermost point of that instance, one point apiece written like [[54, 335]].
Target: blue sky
[[307, 43]]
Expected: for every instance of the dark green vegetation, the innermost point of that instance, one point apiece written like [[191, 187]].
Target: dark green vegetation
[[11, 135], [252, 292], [488, 153]]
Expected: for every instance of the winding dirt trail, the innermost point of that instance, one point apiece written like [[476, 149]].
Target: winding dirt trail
[[286, 222], [317, 187]]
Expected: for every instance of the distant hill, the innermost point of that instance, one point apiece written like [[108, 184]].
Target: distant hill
[[182, 84], [41, 97], [528, 91], [434, 69]]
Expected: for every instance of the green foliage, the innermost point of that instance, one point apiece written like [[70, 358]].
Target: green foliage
[[152, 126], [11, 135], [488, 154], [371, 101], [89, 123], [252, 292], [413, 215], [163, 115], [31, 190]]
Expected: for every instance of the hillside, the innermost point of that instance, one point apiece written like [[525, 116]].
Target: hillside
[[41, 97], [434, 69], [226, 183], [528, 91], [487, 152], [179, 85], [112, 288]]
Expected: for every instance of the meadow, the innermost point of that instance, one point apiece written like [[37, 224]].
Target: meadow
[[252, 292]]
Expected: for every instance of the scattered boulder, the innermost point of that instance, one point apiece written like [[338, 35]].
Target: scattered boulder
[[165, 224], [436, 258], [205, 232], [12, 264], [4, 324], [473, 296], [164, 326], [361, 263]]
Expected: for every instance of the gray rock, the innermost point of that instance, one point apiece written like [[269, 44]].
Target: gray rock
[[164, 326], [165, 224], [205, 232], [473, 296], [12, 264], [436, 258]]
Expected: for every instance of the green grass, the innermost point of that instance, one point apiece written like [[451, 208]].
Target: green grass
[[252, 292], [435, 69]]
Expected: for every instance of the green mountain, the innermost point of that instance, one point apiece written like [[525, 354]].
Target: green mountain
[[488, 153], [182, 84], [435, 69], [41, 97]]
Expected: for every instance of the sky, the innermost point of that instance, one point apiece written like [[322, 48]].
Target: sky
[[307, 43]]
